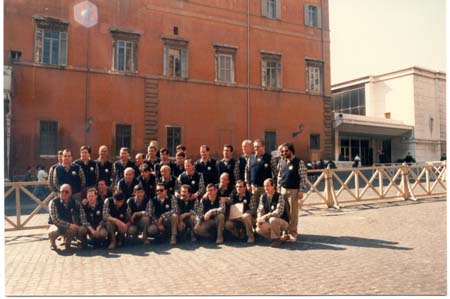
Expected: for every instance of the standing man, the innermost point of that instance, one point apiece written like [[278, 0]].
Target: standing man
[[139, 220], [120, 165], [139, 158], [262, 166], [207, 166], [51, 172], [292, 173], [192, 178], [272, 217], [103, 191], [93, 209], [90, 167], [117, 216], [244, 160], [179, 164], [126, 185], [228, 164], [164, 153], [152, 159], [164, 214], [186, 212], [105, 167], [67, 218], [244, 197], [69, 173], [147, 180], [210, 215]]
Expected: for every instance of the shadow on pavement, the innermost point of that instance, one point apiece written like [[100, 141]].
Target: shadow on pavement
[[311, 242], [13, 240]]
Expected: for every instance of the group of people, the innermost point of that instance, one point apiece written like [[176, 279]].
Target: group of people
[[104, 204]]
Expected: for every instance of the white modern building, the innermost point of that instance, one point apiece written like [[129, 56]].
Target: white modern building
[[382, 118]]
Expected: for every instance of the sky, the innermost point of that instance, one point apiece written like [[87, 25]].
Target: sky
[[372, 37]]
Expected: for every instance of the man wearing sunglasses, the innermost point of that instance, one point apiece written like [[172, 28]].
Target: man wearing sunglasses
[[67, 219], [164, 214]]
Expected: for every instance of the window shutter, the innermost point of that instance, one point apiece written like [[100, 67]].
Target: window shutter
[[307, 22], [184, 62], [307, 79], [134, 58], [278, 8], [38, 45], [216, 65], [264, 8], [63, 48], [263, 72], [166, 61], [319, 17], [232, 68]]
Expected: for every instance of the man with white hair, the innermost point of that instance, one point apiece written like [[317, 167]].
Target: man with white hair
[[126, 185]]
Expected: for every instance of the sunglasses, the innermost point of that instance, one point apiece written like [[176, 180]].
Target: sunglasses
[[159, 190]]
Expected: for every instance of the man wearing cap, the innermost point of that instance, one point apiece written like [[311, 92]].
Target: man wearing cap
[[139, 220], [272, 217], [147, 179], [164, 214], [292, 174], [69, 173], [105, 167], [117, 218], [67, 218], [245, 198], [127, 183], [186, 211], [93, 209], [210, 215]]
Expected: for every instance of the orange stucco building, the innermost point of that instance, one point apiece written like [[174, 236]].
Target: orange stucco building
[[179, 71]]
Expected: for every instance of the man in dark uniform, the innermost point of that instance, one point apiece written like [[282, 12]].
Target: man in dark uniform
[[139, 159], [245, 198], [67, 219], [105, 167], [151, 158], [210, 216], [192, 178], [93, 209], [51, 172], [126, 184], [90, 167], [116, 216], [139, 220], [69, 173], [292, 173], [164, 214], [207, 166], [167, 179], [147, 180], [228, 164], [262, 166], [186, 212], [272, 216], [179, 164], [120, 165], [103, 192], [164, 161], [224, 188]]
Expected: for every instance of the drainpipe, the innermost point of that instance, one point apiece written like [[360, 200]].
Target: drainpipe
[[86, 102], [248, 69]]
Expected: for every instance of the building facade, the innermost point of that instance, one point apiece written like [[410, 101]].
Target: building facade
[[382, 118], [124, 72]]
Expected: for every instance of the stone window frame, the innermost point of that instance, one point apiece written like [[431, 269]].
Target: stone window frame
[[126, 38], [45, 25], [266, 58], [177, 44]]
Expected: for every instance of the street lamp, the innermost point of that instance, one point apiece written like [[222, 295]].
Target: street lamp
[[86, 14]]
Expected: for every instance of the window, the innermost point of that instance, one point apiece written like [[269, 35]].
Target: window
[[271, 70], [314, 77], [313, 17], [314, 141], [123, 137], [14, 56], [48, 138], [124, 50], [50, 40], [270, 140], [350, 101], [173, 138], [270, 8], [225, 56], [175, 62]]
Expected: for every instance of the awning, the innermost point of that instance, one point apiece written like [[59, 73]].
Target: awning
[[369, 125]]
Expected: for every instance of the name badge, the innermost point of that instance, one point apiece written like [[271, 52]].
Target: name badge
[[121, 216], [106, 170], [92, 168], [245, 201], [98, 213], [291, 167], [266, 165], [272, 207], [209, 168], [193, 183], [167, 206], [74, 173]]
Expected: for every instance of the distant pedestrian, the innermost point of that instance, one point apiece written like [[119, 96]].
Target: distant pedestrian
[[444, 157], [42, 176], [356, 162]]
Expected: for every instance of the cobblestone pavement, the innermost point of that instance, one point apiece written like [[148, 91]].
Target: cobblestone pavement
[[394, 248]]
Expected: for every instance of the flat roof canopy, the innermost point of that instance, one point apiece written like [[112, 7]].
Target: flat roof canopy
[[369, 125]]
